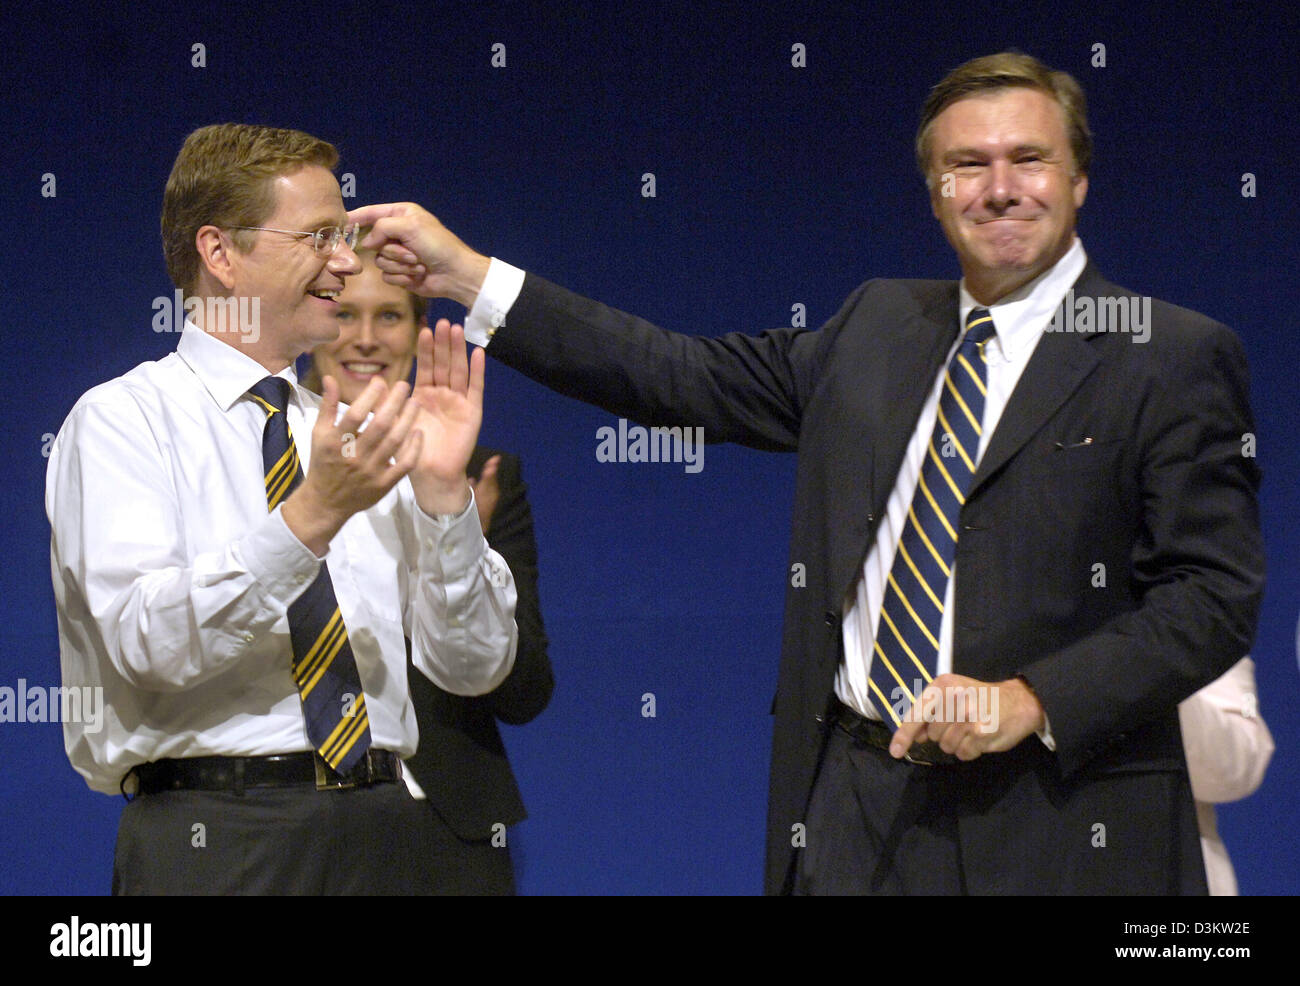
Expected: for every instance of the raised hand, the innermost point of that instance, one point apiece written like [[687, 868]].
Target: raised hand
[[352, 468], [449, 396]]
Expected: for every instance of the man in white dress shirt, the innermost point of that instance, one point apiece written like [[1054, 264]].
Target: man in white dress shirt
[[245, 618]]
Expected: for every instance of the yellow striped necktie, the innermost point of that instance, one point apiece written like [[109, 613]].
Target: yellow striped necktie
[[324, 669], [906, 649]]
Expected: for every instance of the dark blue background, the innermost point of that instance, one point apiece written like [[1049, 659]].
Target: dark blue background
[[776, 186]]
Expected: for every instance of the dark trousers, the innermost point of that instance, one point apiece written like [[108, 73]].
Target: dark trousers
[[470, 867], [876, 825], [292, 840]]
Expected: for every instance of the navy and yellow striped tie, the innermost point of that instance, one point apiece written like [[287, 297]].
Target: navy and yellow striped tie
[[907, 640], [324, 669]]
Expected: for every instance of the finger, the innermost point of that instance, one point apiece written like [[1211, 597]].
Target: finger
[[329, 405], [904, 737], [386, 414], [969, 748], [407, 456], [402, 281], [369, 215], [396, 437], [393, 252], [393, 269], [477, 369], [457, 359], [424, 358], [947, 735], [356, 414], [442, 353]]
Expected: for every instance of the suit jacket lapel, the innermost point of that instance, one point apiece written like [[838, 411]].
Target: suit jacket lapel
[[1059, 364], [913, 363], [888, 401]]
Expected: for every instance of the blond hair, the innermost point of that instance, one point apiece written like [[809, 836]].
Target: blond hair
[[1003, 70], [222, 177]]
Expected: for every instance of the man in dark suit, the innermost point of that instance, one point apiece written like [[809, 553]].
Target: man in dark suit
[[1023, 494]]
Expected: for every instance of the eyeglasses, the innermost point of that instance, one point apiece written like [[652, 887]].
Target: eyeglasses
[[324, 241]]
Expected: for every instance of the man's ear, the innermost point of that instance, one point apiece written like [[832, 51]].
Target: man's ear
[[216, 255], [934, 188], [1080, 190]]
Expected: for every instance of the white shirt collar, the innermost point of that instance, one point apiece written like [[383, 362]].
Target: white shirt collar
[[226, 372], [1019, 317]]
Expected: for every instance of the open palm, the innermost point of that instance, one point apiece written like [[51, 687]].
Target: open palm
[[449, 392]]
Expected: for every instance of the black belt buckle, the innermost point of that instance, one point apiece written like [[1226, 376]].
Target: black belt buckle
[[329, 779], [363, 774]]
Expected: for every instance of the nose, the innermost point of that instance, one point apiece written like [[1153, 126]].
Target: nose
[[1002, 190], [344, 260], [365, 341]]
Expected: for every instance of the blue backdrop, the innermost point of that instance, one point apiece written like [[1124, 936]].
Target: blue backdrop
[[775, 186]]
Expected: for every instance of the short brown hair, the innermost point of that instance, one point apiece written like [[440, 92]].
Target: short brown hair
[[222, 177], [1009, 68]]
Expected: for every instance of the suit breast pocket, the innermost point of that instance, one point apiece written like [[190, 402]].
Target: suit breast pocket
[[1085, 454]]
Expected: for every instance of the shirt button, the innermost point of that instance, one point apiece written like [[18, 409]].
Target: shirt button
[[248, 636], [428, 543]]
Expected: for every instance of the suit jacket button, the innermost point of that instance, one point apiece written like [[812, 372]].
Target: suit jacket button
[[830, 619]]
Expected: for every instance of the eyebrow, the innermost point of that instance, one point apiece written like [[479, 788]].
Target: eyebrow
[[962, 152], [322, 223]]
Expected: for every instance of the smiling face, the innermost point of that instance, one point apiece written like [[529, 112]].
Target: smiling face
[[1004, 156], [377, 333], [297, 287]]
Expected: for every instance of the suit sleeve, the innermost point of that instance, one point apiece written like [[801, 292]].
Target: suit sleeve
[[739, 388], [1197, 563]]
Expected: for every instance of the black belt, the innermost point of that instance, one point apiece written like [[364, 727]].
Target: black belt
[[281, 770], [877, 735]]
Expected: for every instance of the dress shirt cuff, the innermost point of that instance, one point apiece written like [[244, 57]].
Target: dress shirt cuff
[[278, 560], [1045, 734], [500, 288], [451, 544]]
